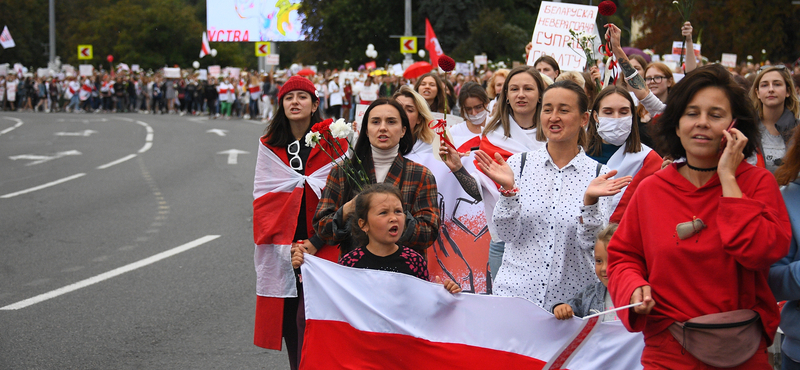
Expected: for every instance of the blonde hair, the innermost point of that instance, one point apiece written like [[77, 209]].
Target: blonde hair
[[605, 235], [490, 85], [792, 102], [572, 76], [421, 129]]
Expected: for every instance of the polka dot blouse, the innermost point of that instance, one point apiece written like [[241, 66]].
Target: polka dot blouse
[[549, 253]]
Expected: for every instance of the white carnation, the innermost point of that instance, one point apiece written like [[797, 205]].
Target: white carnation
[[312, 139], [340, 129]]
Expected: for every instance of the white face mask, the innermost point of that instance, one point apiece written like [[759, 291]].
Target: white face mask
[[614, 131], [479, 118]]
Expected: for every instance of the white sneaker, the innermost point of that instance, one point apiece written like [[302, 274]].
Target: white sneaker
[[246, 116]]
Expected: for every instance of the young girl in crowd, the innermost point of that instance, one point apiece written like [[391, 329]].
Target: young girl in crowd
[[377, 224], [778, 106], [594, 298]]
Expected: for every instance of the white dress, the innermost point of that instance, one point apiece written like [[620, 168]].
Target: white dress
[[549, 254]]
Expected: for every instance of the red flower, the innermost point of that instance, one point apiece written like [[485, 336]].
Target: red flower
[[607, 8], [322, 127], [446, 63]]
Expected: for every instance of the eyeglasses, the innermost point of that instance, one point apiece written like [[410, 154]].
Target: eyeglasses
[[294, 150], [779, 67], [656, 79]]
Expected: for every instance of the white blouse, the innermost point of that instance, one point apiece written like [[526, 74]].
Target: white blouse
[[549, 253]]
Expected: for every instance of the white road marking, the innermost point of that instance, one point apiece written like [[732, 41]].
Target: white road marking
[[37, 159], [19, 123], [118, 161], [40, 187], [85, 133], [149, 139], [217, 131], [109, 274], [232, 155]]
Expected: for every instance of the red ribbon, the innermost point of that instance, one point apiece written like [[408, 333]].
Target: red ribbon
[[438, 126], [605, 50]]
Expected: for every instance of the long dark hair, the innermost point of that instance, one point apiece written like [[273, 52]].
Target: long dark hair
[[362, 206], [472, 90], [441, 94], [682, 94], [594, 145], [279, 131]]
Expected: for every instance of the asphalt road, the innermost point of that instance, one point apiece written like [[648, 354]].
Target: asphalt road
[[126, 243]]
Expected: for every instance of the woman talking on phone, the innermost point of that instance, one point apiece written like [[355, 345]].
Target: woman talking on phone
[[696, 241]]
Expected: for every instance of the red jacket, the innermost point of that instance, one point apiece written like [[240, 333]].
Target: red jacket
[[722, 268]]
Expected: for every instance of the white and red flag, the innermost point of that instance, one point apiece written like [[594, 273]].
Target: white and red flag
[[278, 192], [432, 44], [370, 319], [5, 39], [205, 49]]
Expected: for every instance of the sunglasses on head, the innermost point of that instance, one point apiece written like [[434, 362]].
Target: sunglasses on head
[[779, 67]]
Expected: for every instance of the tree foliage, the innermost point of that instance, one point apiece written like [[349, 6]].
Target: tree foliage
[[742, 27]]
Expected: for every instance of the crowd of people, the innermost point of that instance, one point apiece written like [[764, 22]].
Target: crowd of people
[[660, 190]]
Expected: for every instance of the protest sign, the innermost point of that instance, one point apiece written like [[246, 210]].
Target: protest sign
[[729, 60], [481, 60], [264, 20], [551, 35], [677, 46], [214, 71], [86, 69], [172, 72], [202, 74]]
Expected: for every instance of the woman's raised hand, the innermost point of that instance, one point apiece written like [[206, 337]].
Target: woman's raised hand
[[613, 34], [604, 186], [497, 169], [733, 154], [450, 156]]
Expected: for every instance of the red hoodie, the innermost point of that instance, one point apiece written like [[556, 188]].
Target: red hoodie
[[722, 268]]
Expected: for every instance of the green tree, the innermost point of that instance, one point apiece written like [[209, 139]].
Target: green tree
[[741, 27], [491, 34]]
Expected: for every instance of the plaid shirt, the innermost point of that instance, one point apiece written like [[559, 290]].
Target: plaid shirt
[[420, 202]]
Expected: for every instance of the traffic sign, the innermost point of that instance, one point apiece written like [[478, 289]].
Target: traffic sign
[[263, 49], [408, 45], [84, 51]]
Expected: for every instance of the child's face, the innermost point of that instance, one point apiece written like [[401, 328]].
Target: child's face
[[385, 219], [601, 262]]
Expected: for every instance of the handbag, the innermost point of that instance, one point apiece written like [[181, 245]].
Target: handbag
[[725, 339]]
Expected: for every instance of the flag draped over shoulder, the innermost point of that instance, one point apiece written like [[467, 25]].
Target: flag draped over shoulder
[[369, 319]]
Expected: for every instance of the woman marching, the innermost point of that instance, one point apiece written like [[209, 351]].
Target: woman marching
[[614, 141], [282, 214], [698, 237], [554, 203], [385, 137], [778, 107]]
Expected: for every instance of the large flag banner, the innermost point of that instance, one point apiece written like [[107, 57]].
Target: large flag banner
[[551, 34], [254, 20], [432, 44], [369, 319], [6, 40]]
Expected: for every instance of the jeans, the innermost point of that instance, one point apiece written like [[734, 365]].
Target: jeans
[[496, 256]]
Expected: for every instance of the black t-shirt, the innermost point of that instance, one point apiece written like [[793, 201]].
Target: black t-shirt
[[405, 261]]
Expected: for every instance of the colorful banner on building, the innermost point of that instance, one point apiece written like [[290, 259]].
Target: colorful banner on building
[[254, 20]]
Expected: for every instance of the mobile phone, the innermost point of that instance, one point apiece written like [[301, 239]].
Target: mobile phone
[[724, 141]]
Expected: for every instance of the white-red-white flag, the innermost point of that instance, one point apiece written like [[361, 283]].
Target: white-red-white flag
[[370, 319], [205, 49], [6, 40]]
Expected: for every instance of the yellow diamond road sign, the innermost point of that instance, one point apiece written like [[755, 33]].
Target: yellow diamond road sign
[[408, 45], [84, 51], [263, 49]]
